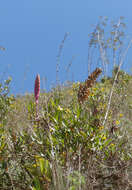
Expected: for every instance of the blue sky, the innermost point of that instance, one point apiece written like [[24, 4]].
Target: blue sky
[[32, 30]]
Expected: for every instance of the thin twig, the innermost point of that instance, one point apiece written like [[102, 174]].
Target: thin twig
[[79, 168], [59, 55], [115, 36], [102, 52], [112, 89]]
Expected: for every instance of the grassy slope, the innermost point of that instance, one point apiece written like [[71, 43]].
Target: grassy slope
[[67, 147]]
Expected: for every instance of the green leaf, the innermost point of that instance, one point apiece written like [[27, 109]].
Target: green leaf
[[107, 142], [41, 164], [37, 184], [72, 188]]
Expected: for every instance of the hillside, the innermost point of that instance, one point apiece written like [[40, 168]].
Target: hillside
[[68, 140]]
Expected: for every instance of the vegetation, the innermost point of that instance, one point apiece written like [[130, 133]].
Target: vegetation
[[64, 140]]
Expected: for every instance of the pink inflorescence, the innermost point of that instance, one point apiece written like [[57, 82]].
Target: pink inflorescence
[[37, 88]]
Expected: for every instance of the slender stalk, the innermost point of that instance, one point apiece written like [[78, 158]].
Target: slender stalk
[[79, 167]]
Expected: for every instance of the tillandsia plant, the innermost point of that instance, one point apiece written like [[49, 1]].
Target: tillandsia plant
[[36, 92]]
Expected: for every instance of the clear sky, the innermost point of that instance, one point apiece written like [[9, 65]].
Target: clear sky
[[32, 30]]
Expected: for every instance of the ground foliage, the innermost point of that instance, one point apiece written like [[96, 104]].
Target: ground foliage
[[66, 146]]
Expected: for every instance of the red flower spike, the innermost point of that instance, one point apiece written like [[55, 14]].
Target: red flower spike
[[37, 88]]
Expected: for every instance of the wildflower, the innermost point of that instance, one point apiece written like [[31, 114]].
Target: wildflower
[[101, 127], [92, 94], [120, 115], [104, 138], [102, 89], [112, 144], [117, 122], [37, 88], [34, 165]]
